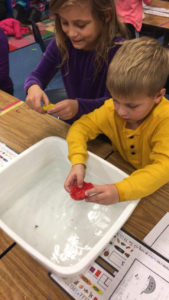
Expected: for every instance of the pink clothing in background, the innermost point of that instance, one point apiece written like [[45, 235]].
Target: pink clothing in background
[[131, 11], [11, 26]]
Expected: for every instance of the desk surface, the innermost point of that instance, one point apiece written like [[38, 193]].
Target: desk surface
[[154, 20], [160, 4], [21, 276], [22, 127]]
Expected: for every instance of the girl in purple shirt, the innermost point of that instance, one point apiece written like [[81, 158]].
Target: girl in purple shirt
[[5, 80], [88, 35]]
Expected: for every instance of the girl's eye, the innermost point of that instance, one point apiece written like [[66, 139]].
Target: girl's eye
[[64, 23], [81, 26]]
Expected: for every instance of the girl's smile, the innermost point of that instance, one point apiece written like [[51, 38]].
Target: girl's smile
[[80, 26]]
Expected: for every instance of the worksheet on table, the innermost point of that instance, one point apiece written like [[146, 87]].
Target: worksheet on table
[[158, 237], [132, 271], [145, 276], [6, 154]]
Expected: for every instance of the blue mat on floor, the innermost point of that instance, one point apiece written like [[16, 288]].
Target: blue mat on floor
[[22, 62]]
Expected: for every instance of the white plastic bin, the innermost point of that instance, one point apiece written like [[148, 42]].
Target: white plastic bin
[[62, 234]]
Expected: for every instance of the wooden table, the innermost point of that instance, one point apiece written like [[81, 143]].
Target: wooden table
[[157, 23], [21, 277]]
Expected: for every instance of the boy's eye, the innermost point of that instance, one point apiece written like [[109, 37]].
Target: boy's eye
[[127, 105], [132, 106]]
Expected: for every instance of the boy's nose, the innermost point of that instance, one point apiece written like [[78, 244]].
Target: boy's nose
[[121, 111]]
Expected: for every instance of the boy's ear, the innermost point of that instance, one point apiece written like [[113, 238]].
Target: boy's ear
[[159, 95]]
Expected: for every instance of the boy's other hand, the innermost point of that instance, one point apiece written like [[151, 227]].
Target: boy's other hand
[[65, 109], [75, 177], [103, 194], [35, 95]]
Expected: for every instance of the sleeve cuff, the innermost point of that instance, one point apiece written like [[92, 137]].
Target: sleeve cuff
[[78, 159]]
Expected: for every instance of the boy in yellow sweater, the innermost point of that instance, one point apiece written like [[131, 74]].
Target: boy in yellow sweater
[[136, 120]]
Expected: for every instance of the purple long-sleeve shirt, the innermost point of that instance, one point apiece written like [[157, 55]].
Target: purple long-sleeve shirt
[[5, 80], [78, 76]]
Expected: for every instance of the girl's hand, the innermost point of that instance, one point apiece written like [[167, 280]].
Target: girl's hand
[[35, 96], [65, 109], [103, 194], [75, 177]]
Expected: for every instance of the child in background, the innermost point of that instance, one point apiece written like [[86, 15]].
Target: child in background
[[88, 35], [136, 120], [131, 13], [5, 80]]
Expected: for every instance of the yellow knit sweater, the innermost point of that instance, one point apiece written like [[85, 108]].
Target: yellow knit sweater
[[146, 148]]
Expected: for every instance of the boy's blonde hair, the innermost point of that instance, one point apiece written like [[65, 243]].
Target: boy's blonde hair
[[140, 66], [100, 9]]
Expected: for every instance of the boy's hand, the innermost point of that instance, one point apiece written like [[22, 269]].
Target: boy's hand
[[65, 109], [103, 194], [75, 177], [35, 95]]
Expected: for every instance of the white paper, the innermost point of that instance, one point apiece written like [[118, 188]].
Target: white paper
[[154, 8], [158, 237], [143, 278], [6, 154], [157, 13]]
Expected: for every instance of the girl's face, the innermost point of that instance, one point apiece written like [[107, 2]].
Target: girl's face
[[80, 26]]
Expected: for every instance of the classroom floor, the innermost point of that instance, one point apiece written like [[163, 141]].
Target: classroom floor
[[22, 62]]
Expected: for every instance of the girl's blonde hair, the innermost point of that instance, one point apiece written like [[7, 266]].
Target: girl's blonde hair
[[140, 66], [100, 9]]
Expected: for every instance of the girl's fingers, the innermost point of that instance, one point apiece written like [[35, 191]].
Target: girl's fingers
[[58, 108], [46, 99]]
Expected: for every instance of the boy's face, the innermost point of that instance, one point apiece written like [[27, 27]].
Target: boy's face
[[80, 26], [135, 109]]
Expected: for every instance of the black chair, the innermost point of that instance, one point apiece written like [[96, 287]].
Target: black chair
[[37, 35]]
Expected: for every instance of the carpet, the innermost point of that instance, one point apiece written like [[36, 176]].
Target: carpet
[[22, 62], [46, 28]]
